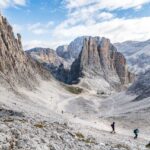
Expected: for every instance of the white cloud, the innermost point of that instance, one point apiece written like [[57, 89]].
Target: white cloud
[[20, 2], [78, 3], [4, 3], [35, 43], [40, 43], [9, 3], [49, 24], [117, 30], [39, 28], [115, 4], [105, 16], [34, 26], [106, 4], [87, 17], [17, 28], [91, 11]]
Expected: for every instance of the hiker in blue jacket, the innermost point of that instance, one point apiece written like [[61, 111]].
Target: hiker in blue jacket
[[136, 131]]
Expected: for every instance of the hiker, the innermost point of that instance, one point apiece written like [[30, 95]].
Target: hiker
[[62, 111], [113, 127], [136, 131]]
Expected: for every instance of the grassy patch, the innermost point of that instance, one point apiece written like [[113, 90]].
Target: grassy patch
[[119, 146], [80, 135], [39, 125], [23, 121], [148, 145], [74, 90], [89, 141], [9, 120]]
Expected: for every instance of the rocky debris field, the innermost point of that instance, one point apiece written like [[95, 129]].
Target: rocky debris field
[[18, 132]]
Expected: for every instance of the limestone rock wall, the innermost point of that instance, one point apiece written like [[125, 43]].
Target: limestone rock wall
[[15, 66], [99, 58]]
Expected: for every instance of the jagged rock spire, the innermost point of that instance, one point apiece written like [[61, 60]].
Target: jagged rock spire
[[99, 59], [15, 66]]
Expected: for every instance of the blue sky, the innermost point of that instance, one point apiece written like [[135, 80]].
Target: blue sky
[[50, 23]]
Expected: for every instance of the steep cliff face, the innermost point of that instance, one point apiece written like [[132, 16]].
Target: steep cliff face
[[137, 54], [15, 66], [96, 65], [49, 59], [71, 52], [62, 51], [141, 86], [45, 55], [100, 59]]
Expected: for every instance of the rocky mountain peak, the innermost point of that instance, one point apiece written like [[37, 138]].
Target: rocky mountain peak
[[91, 59], [44, 55], [71, 52], [15, 66], [137, 54], [100, 59], [62, 51]]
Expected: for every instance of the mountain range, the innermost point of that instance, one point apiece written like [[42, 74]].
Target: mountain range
[[80, 56], [68, 98], [94, 63], [137, 54]]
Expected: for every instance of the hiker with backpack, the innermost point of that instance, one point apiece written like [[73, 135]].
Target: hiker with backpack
[[113, 127], [136, 131]]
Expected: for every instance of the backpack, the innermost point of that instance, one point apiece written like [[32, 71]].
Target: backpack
[[136, 131]]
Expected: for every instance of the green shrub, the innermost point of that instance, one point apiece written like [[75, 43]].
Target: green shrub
[[148, 145], [80, 135], [119, 146], [8, 120], [74, 90], [89, 141], [39, 125]]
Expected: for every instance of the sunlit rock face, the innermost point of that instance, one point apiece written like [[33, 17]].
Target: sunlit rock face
[[15, 66], [100, 59], [45, 55], [49, 59], [86, 60]]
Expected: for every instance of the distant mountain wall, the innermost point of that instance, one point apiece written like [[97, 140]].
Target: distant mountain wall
[[93, 62], [100, 60], [137, 55], [141, 86]]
